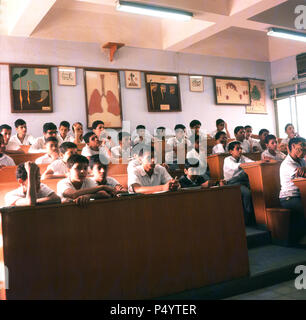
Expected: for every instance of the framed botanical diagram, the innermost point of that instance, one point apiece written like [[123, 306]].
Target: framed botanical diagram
[[163, 92], [132, 79], [232, 91], [196, 83], [103, 100], [66, 76], [30, 89], [258, 97]]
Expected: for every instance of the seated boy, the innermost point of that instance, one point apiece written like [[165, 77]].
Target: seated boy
[[31, 191], [52, 151], [99, 171], [10, 146], [49, 130], [5, 160], [271, 152], [193, 177], [58, 168], [150, 177], [77, 129], [260, 146], [221, 125], [141, 136], [239, 132], [123, 151], [234, 174], [21, 138], [94, 146], [221, 139], [63, 135], [77, 187]]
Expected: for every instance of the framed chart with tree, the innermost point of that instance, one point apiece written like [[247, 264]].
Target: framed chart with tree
[[258, 97], [103, 100], [30, 89], [232, 91]]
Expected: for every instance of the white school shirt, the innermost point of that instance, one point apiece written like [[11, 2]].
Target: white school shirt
[[58, 167], [118, 152], [218, 148], [6, 160], [257, 144], [14, 195], [146, 140], [67, 184], [28, 140], [71, 139], [279, 155], [112, 182], [12, 146], [88, 152], [45, 159], [245, 145], [172, 155], [231, 166], [61, 140], [38, 145], [287, 174], [160, 176]]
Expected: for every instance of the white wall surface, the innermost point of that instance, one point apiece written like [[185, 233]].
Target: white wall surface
[[69, 102]]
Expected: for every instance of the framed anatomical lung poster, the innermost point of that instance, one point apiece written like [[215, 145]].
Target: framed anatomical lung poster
[[103, 100], [232, 91]]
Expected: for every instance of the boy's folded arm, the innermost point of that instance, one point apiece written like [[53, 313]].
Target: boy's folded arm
[[73, 194]]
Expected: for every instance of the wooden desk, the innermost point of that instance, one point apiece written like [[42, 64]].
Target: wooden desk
[[215, 163], [8, 174], [301, 184], [138, 247], [20, 158], [265, 186]]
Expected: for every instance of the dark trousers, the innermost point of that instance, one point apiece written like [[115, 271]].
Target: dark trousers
[[297, 228]]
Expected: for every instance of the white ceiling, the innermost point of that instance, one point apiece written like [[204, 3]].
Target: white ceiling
[[227, 28]]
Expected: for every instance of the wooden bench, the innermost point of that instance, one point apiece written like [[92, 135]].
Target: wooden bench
[[301, 184], [21, 158], [139, 247], [8, 174]]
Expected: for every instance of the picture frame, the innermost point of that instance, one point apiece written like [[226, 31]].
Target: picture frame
[[258, 97], [132, 79], [66, 76], [31, 88], [103, 97], [196, 83], [163, 92], [232, 91]]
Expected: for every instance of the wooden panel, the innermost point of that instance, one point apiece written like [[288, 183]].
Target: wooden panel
[[127, 248], [20, 158], [25, 148], [301, 184]]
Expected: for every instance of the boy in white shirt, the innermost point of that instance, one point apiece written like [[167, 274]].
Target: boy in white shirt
[[239, 132], [52, 151], [123, 151], [31, 191], [290, 131], [5, 160], [221, 139], [10, 146], [234, 175], [195, 130], [49, 130], [21, 138], [221, 125], [94, 146], [271, 152], [63, 135], [77, 187], [260, 146], [294, 166], [58, 168], [141, 136], [77, 129], [99, 129]]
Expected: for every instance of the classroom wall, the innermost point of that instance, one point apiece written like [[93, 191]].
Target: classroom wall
[[283, 70], [69, 102]]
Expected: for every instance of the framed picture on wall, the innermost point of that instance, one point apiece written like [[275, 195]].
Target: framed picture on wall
[[163, 92], [232, 91], [103, 99], [66, 76], [31, 90], [258, 97], [132, 79], [196, 83]]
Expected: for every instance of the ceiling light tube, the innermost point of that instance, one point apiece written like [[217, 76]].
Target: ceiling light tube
[[155, 11], [287, 34]]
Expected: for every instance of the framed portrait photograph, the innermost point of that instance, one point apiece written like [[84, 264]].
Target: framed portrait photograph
[[103, 100], [132, 79], [258, 97], [196, 83], [163, 92], [66, 76], [232, 91], [30, 89]]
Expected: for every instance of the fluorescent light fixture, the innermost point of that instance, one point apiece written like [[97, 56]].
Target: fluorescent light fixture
[[287, 34], [155, 11]]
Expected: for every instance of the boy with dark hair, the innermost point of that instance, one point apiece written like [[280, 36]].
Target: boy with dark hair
[[31, 191], [99, 170], [94, 146], [220, 146], [77, 187], [123, 151], [221, 125], [58, 168], [290, 131], [77, 129], [239, 132], [5, 160], [63, 135], [271, 152], [141, 136], [294, 166], [160, 134], [234, 175], [49, 130], [21, 138], [10, 147], [195, 129], [52, 151], [260, 146]]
